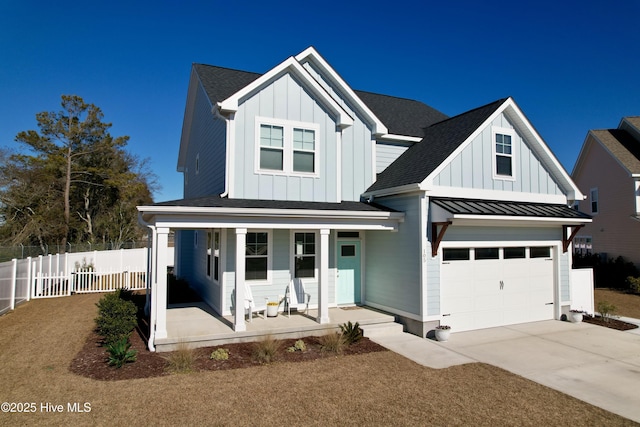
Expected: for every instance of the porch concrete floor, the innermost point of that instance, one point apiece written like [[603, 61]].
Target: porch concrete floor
[[197, 325]]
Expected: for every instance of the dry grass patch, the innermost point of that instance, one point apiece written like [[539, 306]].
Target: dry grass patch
[[627, 305], [39, 340], [182, 359]]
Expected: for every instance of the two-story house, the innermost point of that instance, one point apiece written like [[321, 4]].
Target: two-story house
[[608, 172], [366, 199]]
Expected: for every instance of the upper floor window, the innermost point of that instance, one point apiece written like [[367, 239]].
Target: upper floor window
[[304, 146], [594, 200], [287, 147], [503, 151], [271, 147]]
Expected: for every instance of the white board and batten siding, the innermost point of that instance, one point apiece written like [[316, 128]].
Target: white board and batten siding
[[474, 166]]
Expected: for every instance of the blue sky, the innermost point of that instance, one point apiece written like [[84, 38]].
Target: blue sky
[[570, 65]]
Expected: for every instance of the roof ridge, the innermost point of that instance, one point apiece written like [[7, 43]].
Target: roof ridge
[[499, 101], [228, 68]]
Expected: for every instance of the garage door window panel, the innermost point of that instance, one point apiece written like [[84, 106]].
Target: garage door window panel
[[487, 253], [515, 253], [540, 252], [456, 254]]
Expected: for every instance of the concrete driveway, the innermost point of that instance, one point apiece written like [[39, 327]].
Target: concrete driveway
[[598, 365]]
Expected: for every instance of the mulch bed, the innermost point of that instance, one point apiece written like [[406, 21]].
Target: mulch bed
[[91, 361], [611, 323]]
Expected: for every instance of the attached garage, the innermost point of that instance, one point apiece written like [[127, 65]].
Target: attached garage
[[483, 287]]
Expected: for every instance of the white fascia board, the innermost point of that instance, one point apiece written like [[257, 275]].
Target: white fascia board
[[507, 196], [231, 104], [399, 138], [457, 218], [312, 55], [573, 192]]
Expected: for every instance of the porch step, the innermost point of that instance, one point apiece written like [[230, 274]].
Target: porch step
[[381, 329]]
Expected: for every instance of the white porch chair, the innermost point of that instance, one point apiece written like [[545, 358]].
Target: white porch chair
[[297, 296], [250, 304]]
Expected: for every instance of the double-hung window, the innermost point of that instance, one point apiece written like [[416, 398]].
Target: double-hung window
[[287, 147], [271, 147], [304, 254], [257, 256], [503, 150], [304, 146], [213, 254]]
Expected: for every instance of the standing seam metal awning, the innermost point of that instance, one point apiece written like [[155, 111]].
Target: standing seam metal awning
[[504, 208]]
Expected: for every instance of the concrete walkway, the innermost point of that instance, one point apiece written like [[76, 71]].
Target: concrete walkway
[[598, 365]]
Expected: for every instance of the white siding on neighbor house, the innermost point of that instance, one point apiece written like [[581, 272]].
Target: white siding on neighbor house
[[207, 142], [393, 260], [387, 153], [474, 167], [284, 99]]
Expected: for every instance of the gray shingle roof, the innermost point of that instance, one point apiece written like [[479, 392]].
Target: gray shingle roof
[[400, 116], [216, 201], [622, 145], [440, 140], [503, 208]]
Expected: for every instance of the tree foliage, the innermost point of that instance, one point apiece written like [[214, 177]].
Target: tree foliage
[[72, 181]]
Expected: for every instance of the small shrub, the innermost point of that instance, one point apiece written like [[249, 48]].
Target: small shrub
[[182, 359], [298, 346], [220, 354], [116, 317], [119, 353], [351, 332], [606, 310], [333, 342], [634, 284], [266, 350]]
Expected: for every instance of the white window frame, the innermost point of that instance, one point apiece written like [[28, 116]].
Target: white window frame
[[287, 158], [494, 161], [595, 191], [292, 266], [269, 258], [213, 254], [583, 245]]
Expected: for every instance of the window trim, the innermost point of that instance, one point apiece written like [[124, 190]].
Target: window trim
[[494, 154], [269, 258], [213, 254], [287, 146], [292, 257], [595, 191]]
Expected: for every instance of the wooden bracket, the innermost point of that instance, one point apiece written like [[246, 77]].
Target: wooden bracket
[[437, 236], [567, 241]]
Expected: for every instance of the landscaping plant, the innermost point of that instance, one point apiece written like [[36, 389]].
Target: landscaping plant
[[116, 317], [606, 310], [182, 359], [351, 332], [120, 353], [297, 346], [333, 342], [266, 350], [220, 354]]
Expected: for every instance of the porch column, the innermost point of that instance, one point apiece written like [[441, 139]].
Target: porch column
[[323, 285], [241, 243], [161, 282]]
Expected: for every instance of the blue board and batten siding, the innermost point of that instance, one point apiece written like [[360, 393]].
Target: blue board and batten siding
[[474, 166], [346, 161], [387, 153], [207, 144], [393, 260]]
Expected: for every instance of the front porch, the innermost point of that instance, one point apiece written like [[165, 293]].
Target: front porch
[[197, 325]]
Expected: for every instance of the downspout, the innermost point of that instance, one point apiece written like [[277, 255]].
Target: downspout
[[151, 276], [229, 121]]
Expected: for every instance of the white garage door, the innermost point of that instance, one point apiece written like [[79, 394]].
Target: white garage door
[[487, 287]]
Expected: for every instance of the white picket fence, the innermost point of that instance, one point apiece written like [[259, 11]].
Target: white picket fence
[[63, 274]]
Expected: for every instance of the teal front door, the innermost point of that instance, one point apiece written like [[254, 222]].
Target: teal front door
[[349, 282]]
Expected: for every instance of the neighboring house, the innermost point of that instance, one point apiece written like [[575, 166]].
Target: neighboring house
[[367, 199], [608, 172]]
